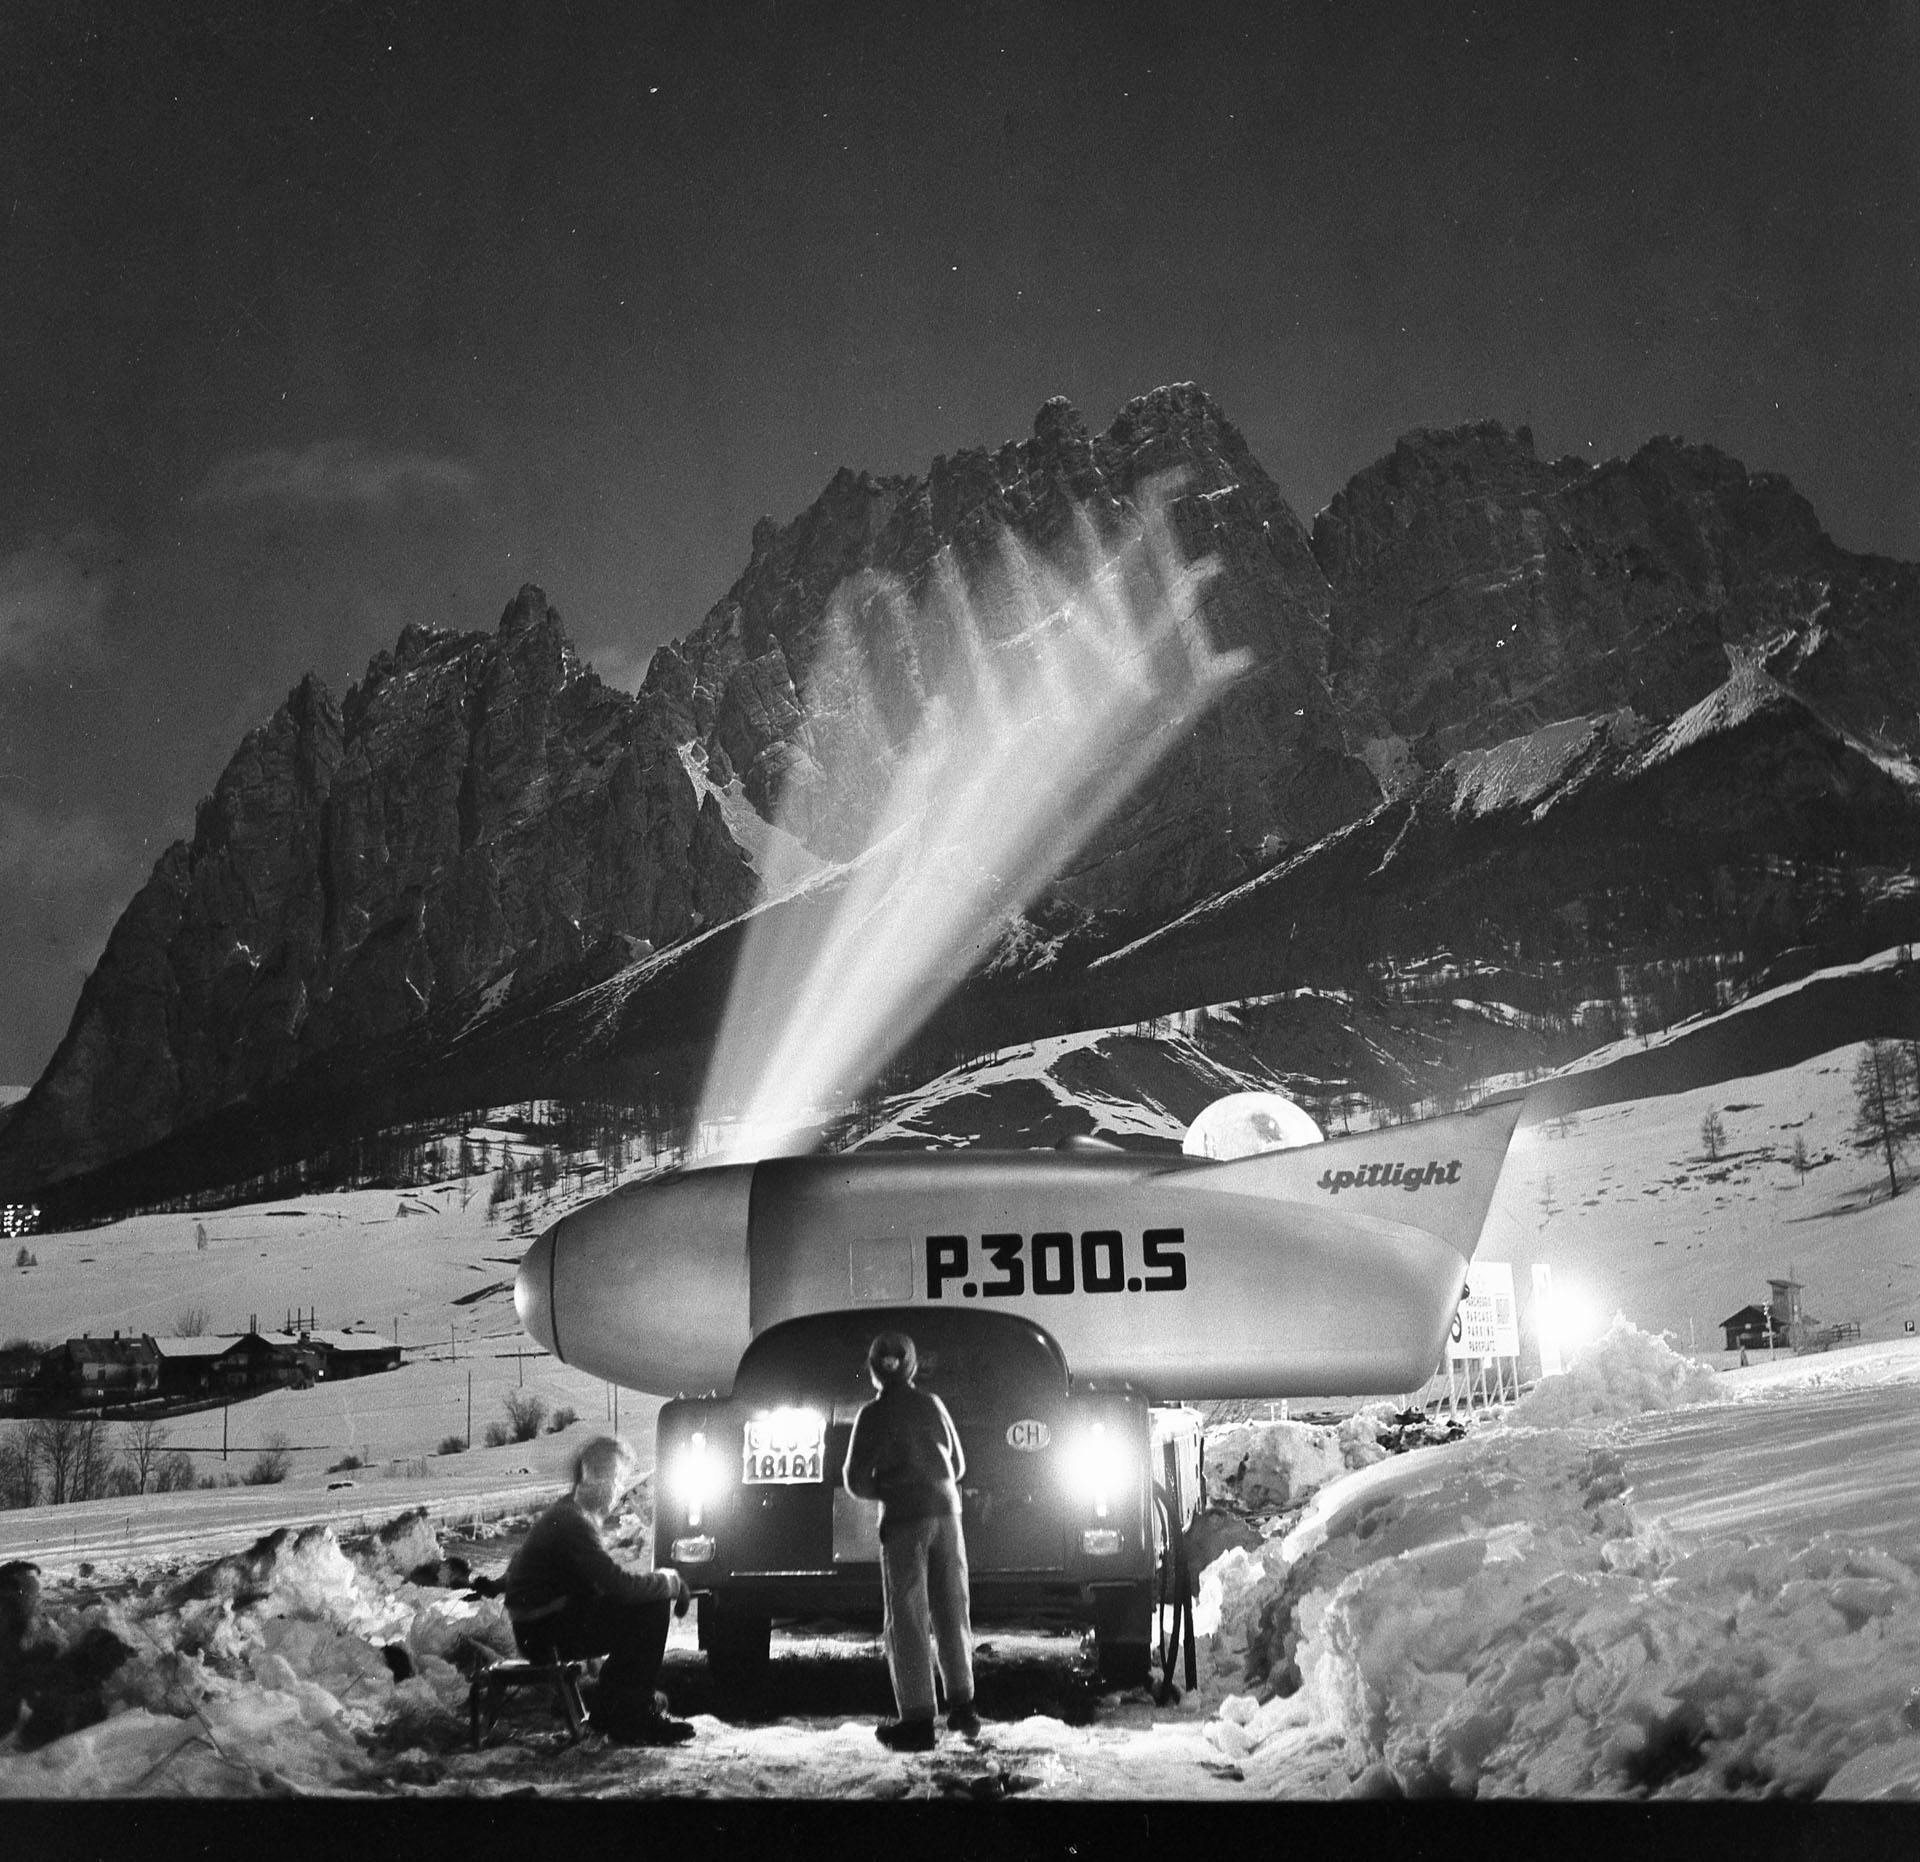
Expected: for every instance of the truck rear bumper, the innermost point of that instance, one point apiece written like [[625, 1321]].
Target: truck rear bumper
[[1031, 1597]]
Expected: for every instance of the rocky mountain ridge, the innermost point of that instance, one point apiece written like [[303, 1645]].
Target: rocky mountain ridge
[[456, 874]]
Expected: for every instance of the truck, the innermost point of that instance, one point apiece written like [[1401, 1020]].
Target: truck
[[1073, 1501]]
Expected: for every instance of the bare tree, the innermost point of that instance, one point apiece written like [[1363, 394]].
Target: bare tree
[[19, 1476], [1713, 1134], [1878, 1104], [71, 1450], [525, 1413], [270, 1465], [192, 1322], [142, 1443], [1800, 1160], [174, 1472]]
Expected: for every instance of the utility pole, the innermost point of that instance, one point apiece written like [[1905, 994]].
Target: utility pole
[[469, 1409], [223, 1432]]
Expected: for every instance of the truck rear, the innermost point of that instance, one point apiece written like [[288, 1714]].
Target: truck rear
[[1065, 1501]]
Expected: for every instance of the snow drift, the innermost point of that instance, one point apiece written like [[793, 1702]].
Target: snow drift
[[1491, 1619], [275, 1670]]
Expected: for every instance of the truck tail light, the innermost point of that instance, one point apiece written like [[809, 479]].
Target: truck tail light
[[1100, 1541], [694, 1551]]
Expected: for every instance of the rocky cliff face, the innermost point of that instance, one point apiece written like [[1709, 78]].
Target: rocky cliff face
[[1745, 825], [482, 829], [1269, 765], [480, 811], [1478, 593]]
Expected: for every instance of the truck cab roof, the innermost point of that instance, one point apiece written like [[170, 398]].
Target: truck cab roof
[[968, 1359]]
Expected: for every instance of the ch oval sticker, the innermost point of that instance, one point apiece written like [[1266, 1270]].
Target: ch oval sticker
[[1028, 1434]]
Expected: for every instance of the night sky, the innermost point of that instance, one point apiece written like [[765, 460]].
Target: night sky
[[320, 318]]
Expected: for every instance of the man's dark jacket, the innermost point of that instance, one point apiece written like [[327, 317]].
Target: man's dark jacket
[[564, 1556], [906, 1454]]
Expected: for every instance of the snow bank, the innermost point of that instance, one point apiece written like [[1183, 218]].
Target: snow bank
[[267, 1672], [1270, 1466], [1625, 1373], [1494, 1621]]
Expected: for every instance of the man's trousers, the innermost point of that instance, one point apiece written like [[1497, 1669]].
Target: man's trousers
[[923, 1581]]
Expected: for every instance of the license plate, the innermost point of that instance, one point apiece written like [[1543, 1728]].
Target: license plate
[[786, 1447], [781, 1466]]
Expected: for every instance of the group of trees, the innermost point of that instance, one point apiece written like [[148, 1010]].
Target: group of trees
[[592, 1136], [54, 1459], [524, 1413], [1886, 1109]]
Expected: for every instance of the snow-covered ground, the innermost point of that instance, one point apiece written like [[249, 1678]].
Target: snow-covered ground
[[430, 1267], [1659, 1576], [1647, 1581], [1625, 1206]]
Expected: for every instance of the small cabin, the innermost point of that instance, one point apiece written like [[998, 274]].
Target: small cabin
[[1751, 1328], [1781, 1322]]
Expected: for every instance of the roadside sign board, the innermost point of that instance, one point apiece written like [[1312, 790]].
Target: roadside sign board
[[1486, 1324]]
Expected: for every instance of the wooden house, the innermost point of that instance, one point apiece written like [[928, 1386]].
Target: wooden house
[[255, 1362], [102, 1370], [187, 1365], [342, 1354], [1751, 1328]]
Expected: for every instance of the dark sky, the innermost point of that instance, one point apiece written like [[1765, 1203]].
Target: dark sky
[[317, 318]]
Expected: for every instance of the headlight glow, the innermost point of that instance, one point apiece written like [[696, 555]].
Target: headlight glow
[[1099, 1469], [697, 1476], [781, 1431]]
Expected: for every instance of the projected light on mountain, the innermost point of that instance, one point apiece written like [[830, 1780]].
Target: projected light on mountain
[[1064, 684]]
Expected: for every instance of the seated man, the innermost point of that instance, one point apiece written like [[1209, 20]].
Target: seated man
[[564, 1590]]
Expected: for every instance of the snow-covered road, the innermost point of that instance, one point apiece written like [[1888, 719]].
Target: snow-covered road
[[1785, 1469], [150, 1528]]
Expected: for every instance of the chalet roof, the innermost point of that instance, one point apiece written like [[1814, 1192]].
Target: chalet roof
[[109, 1350], [1749, 1315], [335, 1341], [193, 1347]]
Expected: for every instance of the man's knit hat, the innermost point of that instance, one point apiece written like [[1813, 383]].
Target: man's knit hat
[[891, 1359]]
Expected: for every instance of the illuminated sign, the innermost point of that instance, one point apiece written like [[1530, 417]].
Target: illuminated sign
[[1486, 1324]]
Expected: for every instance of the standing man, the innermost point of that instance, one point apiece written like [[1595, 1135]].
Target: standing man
[[564, 1589], [905, 1453]]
